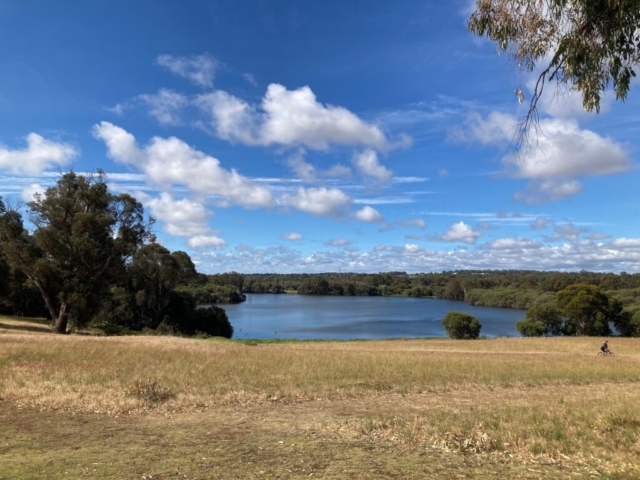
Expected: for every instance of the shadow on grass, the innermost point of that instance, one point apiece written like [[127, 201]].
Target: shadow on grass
[[26, 327]]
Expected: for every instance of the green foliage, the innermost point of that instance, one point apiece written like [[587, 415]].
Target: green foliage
[[588, 311], [592, 44], [461, 325], [316, 285], [633, 327], [454, 290], [542, 319], [82, 236], [154, 273], [531, 328]]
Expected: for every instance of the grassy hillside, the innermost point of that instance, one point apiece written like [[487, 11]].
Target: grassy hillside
[[165, 407]]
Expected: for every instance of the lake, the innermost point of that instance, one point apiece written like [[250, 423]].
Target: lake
[[346, 318]]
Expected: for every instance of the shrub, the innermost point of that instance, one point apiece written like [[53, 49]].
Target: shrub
[[149, 391], [461, 325]]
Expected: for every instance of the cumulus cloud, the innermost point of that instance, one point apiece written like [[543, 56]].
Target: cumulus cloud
[[510, 244], [165, 106], [39, 155], [199, 69], [325, 202], [204, 241], [562, 152], [30, 191], [625, 243], [460, 232], [289, 118], [181, 218], [170, 161], [369, 215], [368, 165], [291, 236]]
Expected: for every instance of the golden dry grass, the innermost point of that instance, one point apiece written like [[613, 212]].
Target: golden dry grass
[[520, 404]]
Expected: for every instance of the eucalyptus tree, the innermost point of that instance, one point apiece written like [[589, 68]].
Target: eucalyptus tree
[[588, 46], [154, 274], [587, 310], [78, 240]]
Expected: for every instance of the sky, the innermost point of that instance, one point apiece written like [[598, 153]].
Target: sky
[[305, 136]]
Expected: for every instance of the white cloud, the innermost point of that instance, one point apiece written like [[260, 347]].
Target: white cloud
[[170, 161], [325, 202], [165, 106], [559, 153], [625, 243], [289, 118], [460, 232], [181, 218], [510, 244], [566, 151], [563, 150], [204, 241], [39, 155], [30, 191], [291, 236], [199, 69], [368, 164], [369, 215]]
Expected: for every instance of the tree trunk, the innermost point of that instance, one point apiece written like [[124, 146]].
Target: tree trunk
[[61, 321]]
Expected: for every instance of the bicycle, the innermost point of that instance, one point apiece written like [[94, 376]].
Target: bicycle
[[607, 353]]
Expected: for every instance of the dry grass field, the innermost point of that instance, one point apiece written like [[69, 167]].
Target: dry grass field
[[81, 406]]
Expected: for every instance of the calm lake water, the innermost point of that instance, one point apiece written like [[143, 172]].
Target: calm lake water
[[347, 318]]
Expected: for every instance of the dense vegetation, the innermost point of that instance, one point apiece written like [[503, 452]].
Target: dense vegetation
[[88, 256]]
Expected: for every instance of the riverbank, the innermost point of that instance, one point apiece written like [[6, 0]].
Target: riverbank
[[165, 407]]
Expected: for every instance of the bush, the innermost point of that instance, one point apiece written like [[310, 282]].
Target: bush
[[149, 391], [461, 325], [531, 328]]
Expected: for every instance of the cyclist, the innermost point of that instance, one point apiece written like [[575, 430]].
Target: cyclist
[[605, 346]]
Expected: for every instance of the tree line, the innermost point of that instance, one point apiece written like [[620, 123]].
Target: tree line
[[87, 256]]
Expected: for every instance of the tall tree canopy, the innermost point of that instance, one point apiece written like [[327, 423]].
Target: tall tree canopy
[[587, 45], [79, 239]]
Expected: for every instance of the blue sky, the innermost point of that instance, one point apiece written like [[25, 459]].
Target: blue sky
[[299, 136]]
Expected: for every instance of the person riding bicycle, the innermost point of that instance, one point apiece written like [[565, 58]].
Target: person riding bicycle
[[605, 346]]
